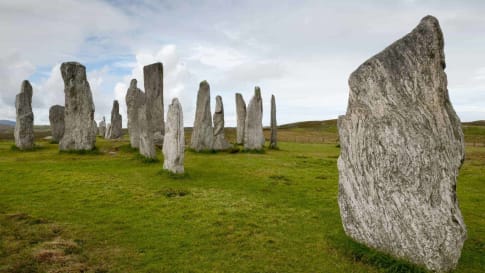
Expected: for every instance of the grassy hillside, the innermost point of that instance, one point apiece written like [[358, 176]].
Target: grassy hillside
[[108, 211]]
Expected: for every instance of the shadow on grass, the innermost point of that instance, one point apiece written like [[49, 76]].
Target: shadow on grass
[[146, 160], [36, 147], [360, 253], [128, 149], [94, 151], [175, 176], [253, 151]]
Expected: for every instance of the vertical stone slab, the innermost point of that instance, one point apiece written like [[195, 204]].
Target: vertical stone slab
[[79, 109], [108, 131], [202, 133], [24, 126], [146, 147], [116, 121], [134, 100], [253, 131], [273, 142], [174, 140], [102, 127], [56, 119], [401, 149], [153, 77], [241, 118], [220, 142]]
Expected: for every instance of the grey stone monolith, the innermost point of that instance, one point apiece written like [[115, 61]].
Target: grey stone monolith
[[253, 129], [202, 133], [220, 142], [273, 141], [146, 146], [116, 121], [401, 149], [56, 119], [108, 131], [241, 118], [24, 125], [174, 139], [102, 127], [153, 80], [95, 127], [134, 100], [79, 109]]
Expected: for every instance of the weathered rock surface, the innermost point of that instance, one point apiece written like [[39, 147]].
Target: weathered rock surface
[[401, 149], [102, 127], [95, 127], [174, 140], [202, 134], [108, 131], [146, 147], [56, 119], [116, 121], [241, 118], [79, 109], [273, 142], [220, 142], [134, 100], [153, 77], [24, 126], [253, 129]]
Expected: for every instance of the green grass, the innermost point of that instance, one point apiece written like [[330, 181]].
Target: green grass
[[232, 212]]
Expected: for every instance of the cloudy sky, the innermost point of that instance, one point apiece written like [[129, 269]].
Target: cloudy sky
[[301, 51]]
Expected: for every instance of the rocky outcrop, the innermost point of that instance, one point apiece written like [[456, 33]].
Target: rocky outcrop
[[253, 129], [174, 140], [134, 100], [401, 149], [273, 141], [116, 121], [56, 119], [24, 126], [241, 118], [202, 134], [79, 109], [220, 142], [102, 128], [153, 78]]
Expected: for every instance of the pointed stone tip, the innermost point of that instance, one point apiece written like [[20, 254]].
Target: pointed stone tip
[[257, 91], [26, 84], [133, 83], [204, 83]]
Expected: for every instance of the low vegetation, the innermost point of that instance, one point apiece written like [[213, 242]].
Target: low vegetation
[[231, 212]]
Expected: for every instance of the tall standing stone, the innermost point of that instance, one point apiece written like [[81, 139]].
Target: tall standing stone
[[56, 119], [401, 149], [220, 142], [79, 109], [146, 146], [24, 126], [134, 100], [116, 121], [108, 131], [202, 133], [153, 77], [241, 118], [102, 127], [253, 131], [174, 140], [273, 142]]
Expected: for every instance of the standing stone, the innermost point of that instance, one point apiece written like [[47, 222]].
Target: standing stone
[[174, 140], [273, 143], [95, 127], [102, 128], [108, 131], [146, 146], [115, 121], [134, 100], [220, 142], [56, 119], [153, 77], [253, 131], [79, 109], [241, 118], [24, 126], [202, 134], [401, 149]]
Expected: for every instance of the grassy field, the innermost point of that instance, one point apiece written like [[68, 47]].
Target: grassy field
[[108, 211]]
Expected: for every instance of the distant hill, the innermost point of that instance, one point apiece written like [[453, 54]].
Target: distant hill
[[7, 122]]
